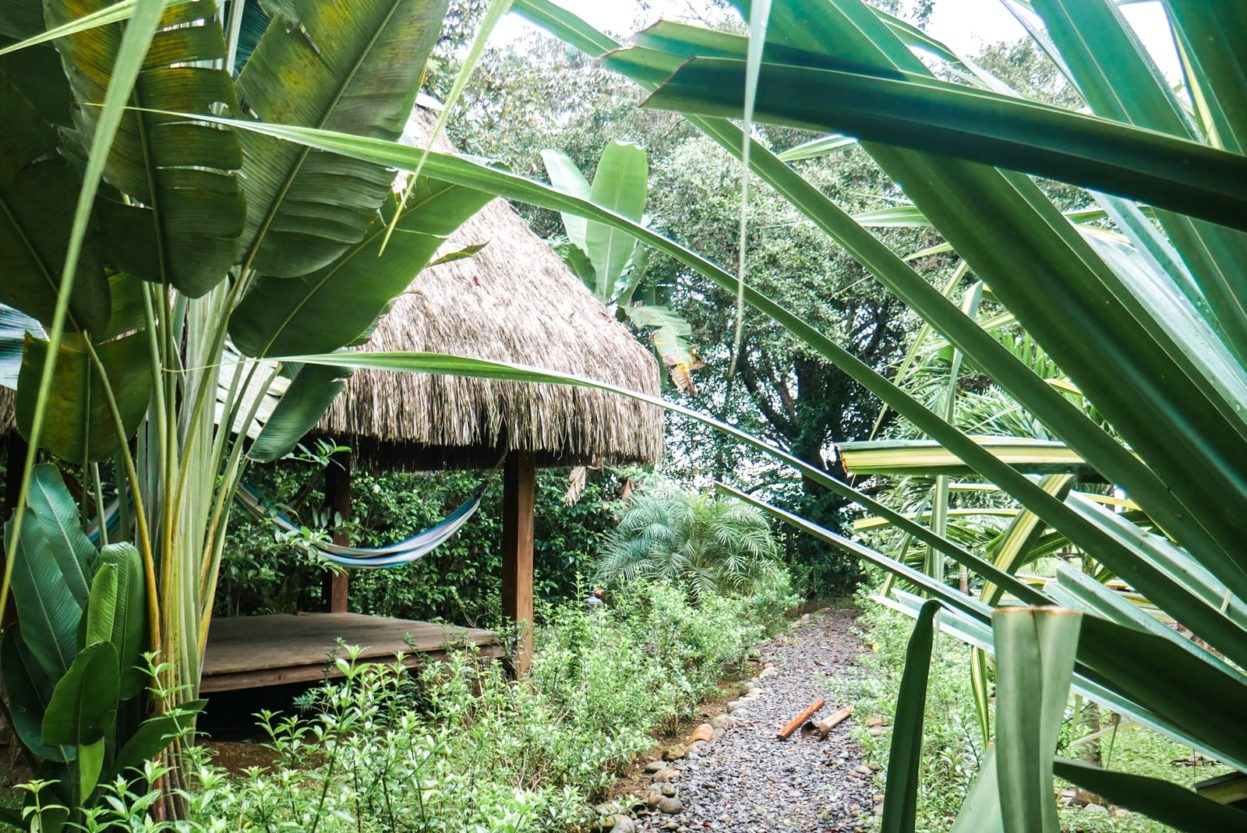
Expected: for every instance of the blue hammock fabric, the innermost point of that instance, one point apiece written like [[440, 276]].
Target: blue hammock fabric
[[404, 552], [112, 517]]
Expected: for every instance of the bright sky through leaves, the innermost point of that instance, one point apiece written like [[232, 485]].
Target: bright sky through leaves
[[965, 25]]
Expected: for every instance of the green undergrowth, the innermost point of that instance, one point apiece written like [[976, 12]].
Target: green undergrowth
[[952, 740], [457, 747]]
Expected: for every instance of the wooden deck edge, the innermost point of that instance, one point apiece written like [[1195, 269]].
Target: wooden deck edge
[[241, 680]]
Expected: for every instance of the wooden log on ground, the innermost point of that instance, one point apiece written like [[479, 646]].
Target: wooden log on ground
[[824, 727], [801, 718]]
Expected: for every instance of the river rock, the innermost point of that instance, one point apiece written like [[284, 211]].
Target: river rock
[[671, 805], [622, 824], [704, 732]]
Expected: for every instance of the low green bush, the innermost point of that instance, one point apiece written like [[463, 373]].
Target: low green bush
[[706, 544], [459, 748]]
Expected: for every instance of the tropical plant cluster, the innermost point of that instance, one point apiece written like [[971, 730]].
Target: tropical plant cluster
[[706, 544], [1127, 281], [459, 747], [952, 745]]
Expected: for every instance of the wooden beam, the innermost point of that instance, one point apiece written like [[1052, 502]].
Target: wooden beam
[[338, 502], [800, 719], [518, 499], [15, 450]]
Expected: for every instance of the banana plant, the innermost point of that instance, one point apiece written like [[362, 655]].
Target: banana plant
[[74, 664], [157, 260], [610, 261]]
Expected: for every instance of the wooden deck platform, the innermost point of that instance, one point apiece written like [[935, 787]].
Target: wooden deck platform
[[258, 651]]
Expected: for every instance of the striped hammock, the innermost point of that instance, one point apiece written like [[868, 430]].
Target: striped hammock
[[404, 552], [407, 551]]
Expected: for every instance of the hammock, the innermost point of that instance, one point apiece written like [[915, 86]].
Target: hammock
[[404, 552]]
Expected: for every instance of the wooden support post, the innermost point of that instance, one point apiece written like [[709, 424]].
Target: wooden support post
[[15, 460], [518, 497], [338, 503]]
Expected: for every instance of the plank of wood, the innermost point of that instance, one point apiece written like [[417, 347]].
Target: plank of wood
[[800, 719], [242, 680], [254, 644], [824, 727]]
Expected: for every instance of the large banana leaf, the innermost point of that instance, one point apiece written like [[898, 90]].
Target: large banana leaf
[[331, 307], [46, 607], [57, 519], [27, 690], [38, 189], [186, 213], [300, 408], [116, 614], [347, 65], [81, 423], [619, 185]]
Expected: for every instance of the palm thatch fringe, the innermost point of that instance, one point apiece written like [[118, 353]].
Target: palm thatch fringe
[[514, 301], [6, 411]]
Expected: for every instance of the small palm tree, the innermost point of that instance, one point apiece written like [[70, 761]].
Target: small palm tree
[[707, 545]]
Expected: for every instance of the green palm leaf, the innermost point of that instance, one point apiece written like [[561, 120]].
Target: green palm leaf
[[347, 65], [185, 213]]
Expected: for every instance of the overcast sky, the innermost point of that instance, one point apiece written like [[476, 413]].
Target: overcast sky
[[965, 25]]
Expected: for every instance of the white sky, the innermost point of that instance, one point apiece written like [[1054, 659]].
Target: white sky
[[965, 25]]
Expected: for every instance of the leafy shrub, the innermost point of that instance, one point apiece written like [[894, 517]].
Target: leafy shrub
[[705, 544]]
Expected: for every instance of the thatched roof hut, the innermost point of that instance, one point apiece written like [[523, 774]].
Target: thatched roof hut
[[515, 301]]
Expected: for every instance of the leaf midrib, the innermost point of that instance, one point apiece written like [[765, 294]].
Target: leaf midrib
[[304, 152], [337, 266]]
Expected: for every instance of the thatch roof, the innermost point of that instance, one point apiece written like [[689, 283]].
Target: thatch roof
[[514, 301]]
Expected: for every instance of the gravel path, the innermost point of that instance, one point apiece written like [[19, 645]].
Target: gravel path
[[747, 779]]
